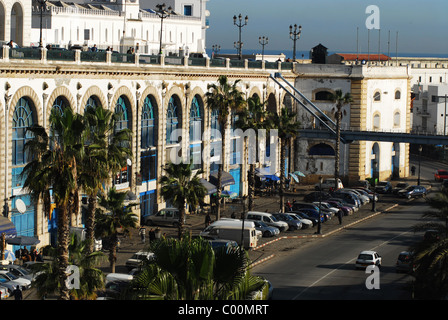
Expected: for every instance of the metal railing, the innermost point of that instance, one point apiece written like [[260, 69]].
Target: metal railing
[[77, 56]]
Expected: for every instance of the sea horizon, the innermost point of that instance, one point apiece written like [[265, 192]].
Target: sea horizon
[[305, 54]]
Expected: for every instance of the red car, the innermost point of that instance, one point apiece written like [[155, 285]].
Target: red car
[[440, 175]]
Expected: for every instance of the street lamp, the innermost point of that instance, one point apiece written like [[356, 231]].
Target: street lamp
[[215, 49], [419, 161], [319, 222], [42, 5], [294, 34], [240, 24], [374, 185], [263, 41], [162, 14]]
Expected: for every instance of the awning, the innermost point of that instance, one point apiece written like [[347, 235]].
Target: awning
[[211, 188], [226, 180], [7, 227], [23, 241]]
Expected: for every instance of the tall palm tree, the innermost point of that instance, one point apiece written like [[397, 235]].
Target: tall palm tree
[[431, 256], [111, 216], [288, 129], [340, 99], [182, 188], [253, 117], [55, 167], [189, 269], [101, 160], [224, 97]]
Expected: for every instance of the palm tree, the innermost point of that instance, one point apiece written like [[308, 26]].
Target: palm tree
[[90, 277], [253, 117], [55, 167], [114, 215], [189, 269], [431, 257], [288, 129], [182, 188], [224, 97], [101, 159], [340, 99]]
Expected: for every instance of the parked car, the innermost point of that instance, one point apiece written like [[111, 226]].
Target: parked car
[[343, 202], [328, 184], [167, 217], [17, 270], [413, 192], [267, 218], [383, 187], [138, 259], [292, 223], [305, 216], [348, 197], [327, 206], [399, 186], [440, 175], [314, 214], [345, 209], [266, 231], [219, 243], [404, 262], [369, 195], [364, 199], [297, 206], [316, 196], [4, 292], [362, 184], [306, 223], [368, 258], [7, 279]]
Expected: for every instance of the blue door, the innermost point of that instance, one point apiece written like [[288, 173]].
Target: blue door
[[236, 174]]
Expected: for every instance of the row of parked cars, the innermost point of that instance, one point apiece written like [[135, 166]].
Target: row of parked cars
[[12, 275]]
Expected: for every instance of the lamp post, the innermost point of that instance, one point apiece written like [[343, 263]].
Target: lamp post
[[374, 186], [42, 5], [240, 24], [238, 46], [215, 49], [319, 222], [244, 202], [263, 41], [162, 14], [294, 34], [419, 162]]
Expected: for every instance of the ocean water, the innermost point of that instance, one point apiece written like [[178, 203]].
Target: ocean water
[[288, 53]]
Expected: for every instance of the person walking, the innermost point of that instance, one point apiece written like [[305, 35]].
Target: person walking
[[17, 293], [340, 213], [142, 233], [208, 220]]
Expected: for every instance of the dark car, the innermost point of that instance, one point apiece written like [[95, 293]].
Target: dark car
[[431, 235], [383, 187], [316, 196], [440, 175], [400, 186], [404, 262], [306, 216], [413, 192]]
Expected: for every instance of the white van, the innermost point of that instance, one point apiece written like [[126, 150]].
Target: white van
[[267, 218], [231, 230], [81, 234]]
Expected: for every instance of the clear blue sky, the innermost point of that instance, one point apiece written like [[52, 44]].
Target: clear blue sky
[[422, 26]]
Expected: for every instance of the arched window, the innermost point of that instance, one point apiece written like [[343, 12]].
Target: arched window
[[321, 149], [148, 123], [92, 102], [323, 95], [60, 104], [376, 121], [172, 122], [397, 119], [148, 156], [122, 122], [377, 96], [22, 119], [397, 95], [214, 125], [195, 120]]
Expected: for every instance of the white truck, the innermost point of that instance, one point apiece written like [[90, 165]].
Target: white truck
[[231, 229]]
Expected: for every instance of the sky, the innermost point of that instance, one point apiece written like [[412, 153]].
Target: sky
[[422, 26]]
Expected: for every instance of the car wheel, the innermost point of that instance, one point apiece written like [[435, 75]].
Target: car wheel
[[267, 234]]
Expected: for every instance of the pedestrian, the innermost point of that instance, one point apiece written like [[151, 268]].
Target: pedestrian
[[94, 48], [142, 233], [18, 293], [152, 235], [340, 216], [208, 220], [413, 170]]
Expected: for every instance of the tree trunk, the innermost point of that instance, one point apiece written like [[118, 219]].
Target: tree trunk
[[220, 170], [251, 186], [180, 227], [338, 141], [113, 253], [63, 241], [90, 223]]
